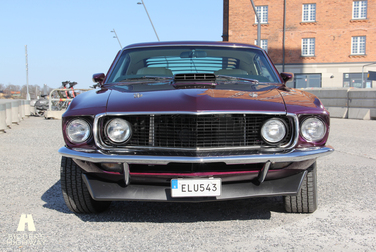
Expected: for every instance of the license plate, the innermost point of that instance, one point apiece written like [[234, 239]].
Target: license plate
[[196, 187]]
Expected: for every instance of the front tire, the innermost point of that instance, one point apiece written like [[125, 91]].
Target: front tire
[[75, 192], [306, 200]]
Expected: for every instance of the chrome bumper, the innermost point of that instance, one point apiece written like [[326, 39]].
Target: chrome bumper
[[295, 155]]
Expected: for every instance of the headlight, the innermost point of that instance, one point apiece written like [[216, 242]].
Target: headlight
[[78, 131], [118, 130], [313, 129], [273, 130]]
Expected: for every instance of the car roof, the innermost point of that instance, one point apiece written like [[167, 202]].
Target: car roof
[[191, 43]]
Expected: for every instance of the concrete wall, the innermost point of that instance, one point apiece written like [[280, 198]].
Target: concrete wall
[[13, 112], [349, 103]]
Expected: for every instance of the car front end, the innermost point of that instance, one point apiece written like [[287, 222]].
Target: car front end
[[192, 122]]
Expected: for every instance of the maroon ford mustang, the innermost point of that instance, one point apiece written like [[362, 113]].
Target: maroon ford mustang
[[192, 122]]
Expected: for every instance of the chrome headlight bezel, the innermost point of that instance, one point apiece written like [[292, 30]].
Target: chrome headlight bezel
[[282, 127], [309, 137], [78, 130], [118, 124]]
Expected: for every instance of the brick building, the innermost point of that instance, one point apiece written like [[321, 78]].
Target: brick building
[[324, 43]]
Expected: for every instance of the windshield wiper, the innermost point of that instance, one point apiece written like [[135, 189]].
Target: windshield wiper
[[152, 78], [233, 78]]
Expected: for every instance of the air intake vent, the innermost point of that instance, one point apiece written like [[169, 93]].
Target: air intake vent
[[194, 77]]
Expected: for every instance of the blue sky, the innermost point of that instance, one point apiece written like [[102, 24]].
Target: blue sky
[[72, 40]]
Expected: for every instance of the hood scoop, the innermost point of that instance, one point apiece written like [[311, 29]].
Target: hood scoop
[[194, 80], [194, 77]]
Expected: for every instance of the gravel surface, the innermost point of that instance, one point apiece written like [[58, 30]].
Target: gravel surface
[[30, 184]]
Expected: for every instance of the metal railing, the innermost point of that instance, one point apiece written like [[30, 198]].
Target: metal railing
[[60, 98]]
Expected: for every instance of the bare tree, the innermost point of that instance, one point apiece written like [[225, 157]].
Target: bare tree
[[35, 91]]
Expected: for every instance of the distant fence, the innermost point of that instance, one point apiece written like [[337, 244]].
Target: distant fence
[[13, 112], [351, 103]]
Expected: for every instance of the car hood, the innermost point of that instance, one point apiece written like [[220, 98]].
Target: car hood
[[89, 103], [196, 100], [301, 102]]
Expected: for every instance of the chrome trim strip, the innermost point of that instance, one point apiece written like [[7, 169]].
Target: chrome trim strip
[[297, 130], [133, 148], [84, 150], [206, 112], [103, 146], [224, 45], [294, 155]]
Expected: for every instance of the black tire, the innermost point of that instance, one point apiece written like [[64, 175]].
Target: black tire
[[75, 192], [306, 200]]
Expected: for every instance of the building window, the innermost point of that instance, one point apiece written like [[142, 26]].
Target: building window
[[358, 45], [309, 12], [264, 44], [262, 12], [308, 47], [359, 10], [355, 80], [306, 80]]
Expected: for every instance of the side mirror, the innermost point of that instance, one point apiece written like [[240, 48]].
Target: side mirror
[[99, 78], [287, 77]]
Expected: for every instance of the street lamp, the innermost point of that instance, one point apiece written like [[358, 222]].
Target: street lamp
[[142, 2], [113, 30], [27, 76]]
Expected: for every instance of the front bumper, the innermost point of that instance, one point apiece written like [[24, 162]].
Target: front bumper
[[107, 191], [294, 155], [111, 191]]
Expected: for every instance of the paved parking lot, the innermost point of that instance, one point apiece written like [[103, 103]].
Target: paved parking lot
[[30, 185]]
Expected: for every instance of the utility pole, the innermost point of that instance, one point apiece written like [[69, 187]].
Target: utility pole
[[27, 76]]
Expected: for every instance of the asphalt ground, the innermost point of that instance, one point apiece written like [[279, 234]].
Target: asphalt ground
[[30, 185]]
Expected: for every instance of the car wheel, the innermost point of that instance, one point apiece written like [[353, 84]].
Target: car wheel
[[75, 192], [306, 200]]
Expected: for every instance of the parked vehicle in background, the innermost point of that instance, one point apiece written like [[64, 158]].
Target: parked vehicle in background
[[192, 122], [41, 105]]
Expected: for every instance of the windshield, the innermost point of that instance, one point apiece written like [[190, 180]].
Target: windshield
[[160, 64]]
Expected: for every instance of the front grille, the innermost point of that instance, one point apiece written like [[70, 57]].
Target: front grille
[[187, 131]]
